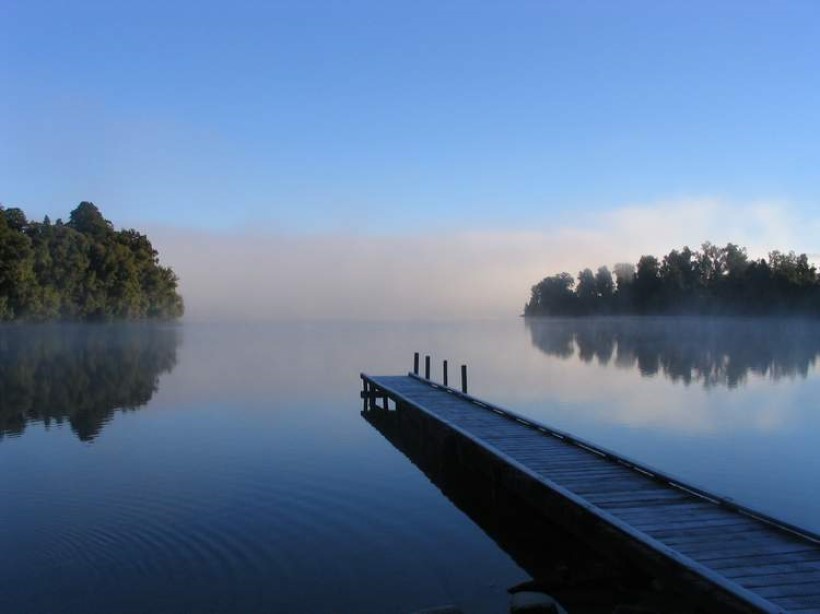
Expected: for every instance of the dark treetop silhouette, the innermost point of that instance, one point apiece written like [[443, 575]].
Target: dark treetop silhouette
[[83, 269], [80, 373], [714, 280]]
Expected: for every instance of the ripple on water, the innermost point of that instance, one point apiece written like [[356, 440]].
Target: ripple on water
[[244, 526]]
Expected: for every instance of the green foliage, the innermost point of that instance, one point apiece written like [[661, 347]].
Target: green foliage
[[554, 296], [84, 269], [713, 280]]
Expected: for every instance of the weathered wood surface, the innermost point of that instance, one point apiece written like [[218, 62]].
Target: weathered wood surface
[[769, 565]]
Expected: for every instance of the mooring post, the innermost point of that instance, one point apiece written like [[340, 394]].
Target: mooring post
[[416, 363], [427, 367], [444, 372], [464, 379]]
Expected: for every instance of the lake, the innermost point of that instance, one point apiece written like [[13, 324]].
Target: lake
[[227, 467]]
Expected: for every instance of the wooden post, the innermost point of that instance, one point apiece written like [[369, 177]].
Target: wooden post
[[444, 372], [464, 379], [426, 367], [416, 363]]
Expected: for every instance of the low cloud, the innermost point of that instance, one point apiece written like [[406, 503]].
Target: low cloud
[[255, 276]]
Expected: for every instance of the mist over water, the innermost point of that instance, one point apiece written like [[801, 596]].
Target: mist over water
[[442, 272], [243, 478]]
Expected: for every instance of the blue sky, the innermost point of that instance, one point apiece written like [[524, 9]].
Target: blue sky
[[442, 156], [382, 117]]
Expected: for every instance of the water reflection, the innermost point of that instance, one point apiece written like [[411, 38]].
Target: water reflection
[[711, 351], [81, 374], [582, 576]]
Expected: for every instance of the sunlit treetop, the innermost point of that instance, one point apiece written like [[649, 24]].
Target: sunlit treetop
[[81, 270]]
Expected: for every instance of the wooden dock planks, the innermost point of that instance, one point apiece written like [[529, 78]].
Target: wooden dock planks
[[769, 565]]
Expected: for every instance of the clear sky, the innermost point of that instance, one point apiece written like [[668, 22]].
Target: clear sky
[[306, 119]]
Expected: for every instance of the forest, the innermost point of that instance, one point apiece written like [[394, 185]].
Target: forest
[[713, 280], [82, 269]]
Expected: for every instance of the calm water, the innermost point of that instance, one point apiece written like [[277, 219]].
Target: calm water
[[227, 468]]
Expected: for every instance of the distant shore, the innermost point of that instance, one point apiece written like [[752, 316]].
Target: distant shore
[[714, 281]]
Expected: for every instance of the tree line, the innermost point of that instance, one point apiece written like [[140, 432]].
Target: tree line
[[712, 280], [82, 269]]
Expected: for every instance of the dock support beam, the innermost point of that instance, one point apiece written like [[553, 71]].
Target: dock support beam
[[416, 363], [444, 372], [464, 379], [427, 367]]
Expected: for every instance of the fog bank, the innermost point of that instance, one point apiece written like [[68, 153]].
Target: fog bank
[[252, 275]]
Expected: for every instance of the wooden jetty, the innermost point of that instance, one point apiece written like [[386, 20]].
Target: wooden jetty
[[724, 556], [580, 577]]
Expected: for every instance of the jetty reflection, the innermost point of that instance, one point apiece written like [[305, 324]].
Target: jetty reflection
[[579, 577], [709, 351], [80, 374]]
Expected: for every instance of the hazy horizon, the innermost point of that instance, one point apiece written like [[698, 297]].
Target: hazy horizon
[[441, 275], [423, 160]]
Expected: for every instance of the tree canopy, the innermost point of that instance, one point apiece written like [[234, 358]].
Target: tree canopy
[[81, 270], [713, 280]]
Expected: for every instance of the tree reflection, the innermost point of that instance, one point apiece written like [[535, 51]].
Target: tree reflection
[[711, 351], [81, 374]]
